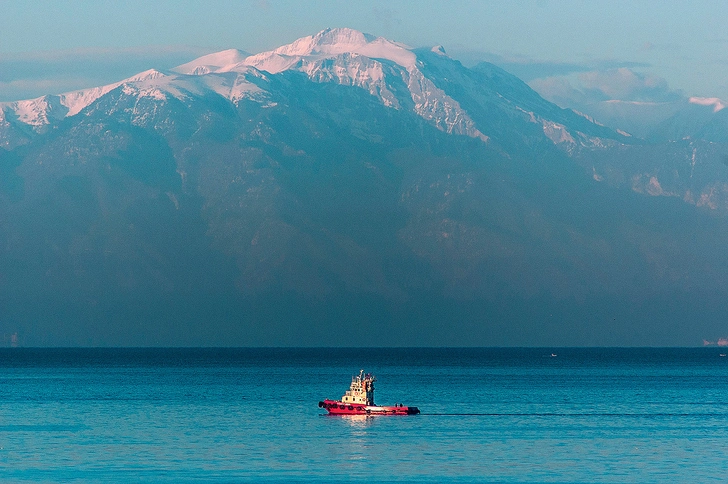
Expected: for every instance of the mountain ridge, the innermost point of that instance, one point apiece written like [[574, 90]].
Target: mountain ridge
[[312, 55], [352, 200]]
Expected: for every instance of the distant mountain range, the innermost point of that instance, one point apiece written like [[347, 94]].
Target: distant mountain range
[[692, 118], [349, 190]]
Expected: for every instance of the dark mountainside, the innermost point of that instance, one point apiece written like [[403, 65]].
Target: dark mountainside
[[322, 215]]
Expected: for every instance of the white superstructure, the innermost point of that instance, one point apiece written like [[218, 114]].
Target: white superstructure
[[361, 389]]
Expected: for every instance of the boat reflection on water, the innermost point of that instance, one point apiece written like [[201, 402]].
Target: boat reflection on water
[[356, 421]]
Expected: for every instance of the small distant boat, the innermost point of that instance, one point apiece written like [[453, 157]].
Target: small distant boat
[[722, 354], [359, 400]]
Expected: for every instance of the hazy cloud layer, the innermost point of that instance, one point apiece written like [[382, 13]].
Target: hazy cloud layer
[[643, 100], [26, 76], [574, 84], [627, 85], [621, 84], [528, 69]]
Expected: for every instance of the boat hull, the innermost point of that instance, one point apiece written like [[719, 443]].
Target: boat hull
[[335, 407]]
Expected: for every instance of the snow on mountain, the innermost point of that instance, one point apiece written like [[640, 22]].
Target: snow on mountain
[[151, 83], [233, 85], [350, 57], [46, 109], [717, 104], [427, 82], [43, 110], [433, 104], [344, 56], [330, 43], [212, 62], [37, 112], [77, 100]]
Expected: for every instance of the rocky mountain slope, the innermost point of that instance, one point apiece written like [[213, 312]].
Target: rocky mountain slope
[[348, 190]]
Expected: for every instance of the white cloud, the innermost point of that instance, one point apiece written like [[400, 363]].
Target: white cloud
[[559, 90], [620, 84], [624, 84]]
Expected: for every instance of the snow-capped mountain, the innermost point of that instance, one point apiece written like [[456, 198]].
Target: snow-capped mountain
[[45, 110], [424, 81], [212, 62], [354, 181]]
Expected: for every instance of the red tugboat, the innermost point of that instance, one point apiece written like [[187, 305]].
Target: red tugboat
[[359, 400]]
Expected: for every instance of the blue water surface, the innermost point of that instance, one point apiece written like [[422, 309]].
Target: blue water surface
[[492, 415]]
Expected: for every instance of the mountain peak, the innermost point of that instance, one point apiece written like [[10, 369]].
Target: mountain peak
[[327, 41], [211, 62], [331, 43], [145, 76], [438, 49], [388, 70]]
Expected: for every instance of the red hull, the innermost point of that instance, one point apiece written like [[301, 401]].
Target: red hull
[[335, 407]]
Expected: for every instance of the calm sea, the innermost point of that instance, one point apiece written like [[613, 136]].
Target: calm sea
[[494, 415]]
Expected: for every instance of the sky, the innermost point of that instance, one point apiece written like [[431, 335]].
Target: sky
[[633, 50]]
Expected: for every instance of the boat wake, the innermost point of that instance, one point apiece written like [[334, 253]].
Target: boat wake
[[554, 414]]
